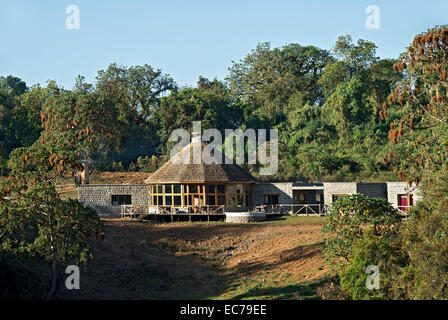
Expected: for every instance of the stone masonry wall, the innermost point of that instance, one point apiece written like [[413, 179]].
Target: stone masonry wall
[[332, 188], [396, 188], [283, 189], [99, 196]]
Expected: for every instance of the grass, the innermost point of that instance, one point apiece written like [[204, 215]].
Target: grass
[[287, 220], [295, 220], [271, 288]]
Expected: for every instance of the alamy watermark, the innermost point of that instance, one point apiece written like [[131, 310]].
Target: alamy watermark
[[72, 21], [72, 282], [235, 142], [373, 20], [373, 281]]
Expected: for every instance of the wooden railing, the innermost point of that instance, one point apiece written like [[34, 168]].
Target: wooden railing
[[131, 211], [293, 209], [190, 210]]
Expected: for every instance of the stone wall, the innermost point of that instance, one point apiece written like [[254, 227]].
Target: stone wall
[[396, 188], [337, 188], [283, 189], [99, 196]]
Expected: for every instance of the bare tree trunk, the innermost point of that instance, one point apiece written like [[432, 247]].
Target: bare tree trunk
[[54, 280]]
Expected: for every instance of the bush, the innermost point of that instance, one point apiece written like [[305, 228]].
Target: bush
[[426, 241], [385, 252], [348, 219], [23, 276]]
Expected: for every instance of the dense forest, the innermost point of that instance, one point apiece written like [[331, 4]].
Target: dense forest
[[341, 115], [324, 104]]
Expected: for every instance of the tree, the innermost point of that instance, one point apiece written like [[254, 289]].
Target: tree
[[136, 92], [210, 102], [356, 85], [419, 154], [32, 216], [421, 132], [83, 122], [341, 139], [267, 78], [10, 89]]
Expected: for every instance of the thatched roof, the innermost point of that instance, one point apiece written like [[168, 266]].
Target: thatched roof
[[175, 172]]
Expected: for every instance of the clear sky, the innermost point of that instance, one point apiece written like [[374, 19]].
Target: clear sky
[[189, 38]]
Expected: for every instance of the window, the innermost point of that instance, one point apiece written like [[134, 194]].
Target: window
[[338, 196], [271, 199], [177, 201], [221, 200], [176, 188], [213, 194], [232, 201], [236, 195], [193, 188], [167, 195], [119, 199], [211, 200]]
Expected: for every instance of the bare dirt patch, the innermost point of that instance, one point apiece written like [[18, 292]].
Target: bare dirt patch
[[276, 260]]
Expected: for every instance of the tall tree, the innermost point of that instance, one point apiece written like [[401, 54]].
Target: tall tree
[[210, 102], [267, 78], [83, 122], [136, 92]]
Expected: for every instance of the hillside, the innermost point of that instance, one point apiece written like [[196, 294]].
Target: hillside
[[207, 261]]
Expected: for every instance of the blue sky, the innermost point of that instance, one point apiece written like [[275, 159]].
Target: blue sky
[[189, 38]]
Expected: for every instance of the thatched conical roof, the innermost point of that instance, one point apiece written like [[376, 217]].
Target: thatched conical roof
[[174, 171]]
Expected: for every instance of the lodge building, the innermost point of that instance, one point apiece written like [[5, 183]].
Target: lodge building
[[213, 189]]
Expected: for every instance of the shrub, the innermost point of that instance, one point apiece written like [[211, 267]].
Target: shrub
[[385, 252], [23, 276], [426, 241], [348, 219]]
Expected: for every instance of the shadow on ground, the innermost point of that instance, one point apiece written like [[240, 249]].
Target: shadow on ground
[[308, 291], [147, 261]]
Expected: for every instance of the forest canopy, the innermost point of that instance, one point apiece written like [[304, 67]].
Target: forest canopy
[[324, 104]]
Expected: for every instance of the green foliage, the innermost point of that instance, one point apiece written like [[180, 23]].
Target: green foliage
[[426, 241], [384, 251], [420, 134], [136, 92], [347, 221], [23, 276], [149, 164], [210, 103], [85, 123], [324, 105], [33, 218]]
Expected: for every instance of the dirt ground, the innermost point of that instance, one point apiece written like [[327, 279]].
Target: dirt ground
[[141, 260]]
